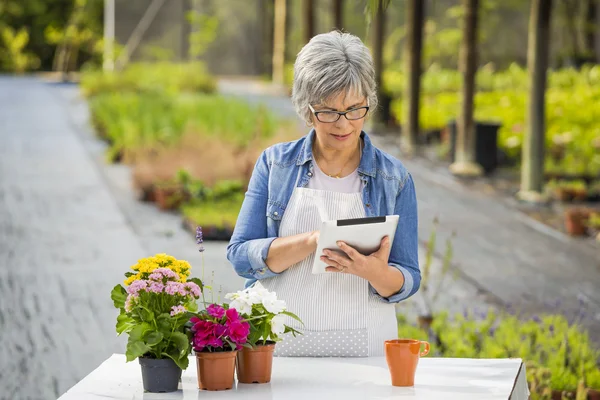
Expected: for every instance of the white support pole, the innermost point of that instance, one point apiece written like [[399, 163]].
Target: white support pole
[[138, 32], [109, 35]]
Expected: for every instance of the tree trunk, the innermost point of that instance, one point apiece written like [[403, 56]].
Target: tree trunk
[[382, 116], [309, 20], [338, 14], [279, 43], [465, 164], [590, 30], [412, 57], [532, 165], [266, 39]]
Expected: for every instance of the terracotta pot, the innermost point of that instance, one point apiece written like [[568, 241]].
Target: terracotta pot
[[255, 365], [575, 221], [558, 394], [402, 356], [593, 394], [215, 370], [168, 198]]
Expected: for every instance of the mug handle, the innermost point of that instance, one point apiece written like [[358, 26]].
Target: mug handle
[[426, 351]]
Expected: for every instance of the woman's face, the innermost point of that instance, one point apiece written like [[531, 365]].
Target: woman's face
[[343, 133]]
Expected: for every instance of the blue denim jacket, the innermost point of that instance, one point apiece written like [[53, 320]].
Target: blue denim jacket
[[388, 190]]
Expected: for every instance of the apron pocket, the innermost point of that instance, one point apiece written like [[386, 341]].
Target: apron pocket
[[338, 343]]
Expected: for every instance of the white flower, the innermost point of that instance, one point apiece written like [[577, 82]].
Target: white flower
[[277, 324], [232, 296], [273, 305], [242, 305], [257, 292]]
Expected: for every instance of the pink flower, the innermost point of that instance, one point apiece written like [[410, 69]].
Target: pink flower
[[159, 273], [193, 289], [238, 331], [174, 288], [130, 302], [175, 310], [136, 286], [156, 287], [215, 311], [215, 342], [232, 315]]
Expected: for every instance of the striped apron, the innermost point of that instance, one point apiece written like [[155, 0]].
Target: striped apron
[[342, 318]]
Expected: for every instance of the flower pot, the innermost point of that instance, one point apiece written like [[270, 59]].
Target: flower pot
[[255, 365], [575, 221], [160, 375], [402, 356], [215, 370]]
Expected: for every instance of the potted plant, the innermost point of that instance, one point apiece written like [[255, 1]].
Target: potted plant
[[155, 305], [266, 315], [575, 220], [593, 223], [218, 332]]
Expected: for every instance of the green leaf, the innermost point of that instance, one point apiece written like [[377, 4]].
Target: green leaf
[[192, 306], [135, 349], [153, 338], [128, 274], [266, 331], [139, 331], [124, 323], [164, 323], [181, 342], [146, 315], [289, 314], [182, 362], [118, 296]]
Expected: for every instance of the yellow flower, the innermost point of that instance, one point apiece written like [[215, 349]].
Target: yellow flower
[[129, 280]]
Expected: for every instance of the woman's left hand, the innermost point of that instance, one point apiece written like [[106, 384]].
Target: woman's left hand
[[352, 262]]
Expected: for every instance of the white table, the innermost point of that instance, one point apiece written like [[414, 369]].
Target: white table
[[324, 378]]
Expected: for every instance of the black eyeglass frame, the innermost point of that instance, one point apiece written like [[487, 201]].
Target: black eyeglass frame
[[339, 113]]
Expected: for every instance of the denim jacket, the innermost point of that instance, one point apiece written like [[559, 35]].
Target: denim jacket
[[388, 189]]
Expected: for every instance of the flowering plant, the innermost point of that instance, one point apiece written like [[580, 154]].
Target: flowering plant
[[264, 312], [155, 307], [218, 328]]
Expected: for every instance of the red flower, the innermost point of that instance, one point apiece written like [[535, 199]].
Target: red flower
[[238, 331], [232, 315]]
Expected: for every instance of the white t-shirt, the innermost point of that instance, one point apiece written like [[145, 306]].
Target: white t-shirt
[[348, 184]]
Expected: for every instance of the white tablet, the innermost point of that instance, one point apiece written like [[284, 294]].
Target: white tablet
[[364, 234]]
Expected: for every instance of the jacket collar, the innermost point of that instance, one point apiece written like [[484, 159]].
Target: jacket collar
[[367, 161]]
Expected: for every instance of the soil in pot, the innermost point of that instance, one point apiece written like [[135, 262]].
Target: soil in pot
[[215, 370], [255, 365], [160, 375]]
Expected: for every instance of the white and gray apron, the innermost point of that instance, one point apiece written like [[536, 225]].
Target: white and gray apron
[[342, 318]]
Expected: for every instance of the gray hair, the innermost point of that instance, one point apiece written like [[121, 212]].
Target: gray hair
[[332, 63]]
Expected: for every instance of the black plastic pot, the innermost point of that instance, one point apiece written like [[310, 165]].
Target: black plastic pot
[[486, 144], [160, 375]]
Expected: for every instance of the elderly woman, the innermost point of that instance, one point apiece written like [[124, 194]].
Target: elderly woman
[[334, 172]]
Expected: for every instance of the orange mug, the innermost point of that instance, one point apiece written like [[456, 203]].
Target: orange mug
[[402, 356]]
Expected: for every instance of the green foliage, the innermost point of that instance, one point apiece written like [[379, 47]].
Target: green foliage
[[558, 355], [13, 56], [133, 121], [572, 130], [204, 31], [221, 213], [156, 78]]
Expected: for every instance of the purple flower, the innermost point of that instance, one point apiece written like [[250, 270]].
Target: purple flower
[[551, 328], [174, 288], [199, 238], [156, 287], [536, 319], [175, 310], [136, 286], [193, 289], [215, 311]]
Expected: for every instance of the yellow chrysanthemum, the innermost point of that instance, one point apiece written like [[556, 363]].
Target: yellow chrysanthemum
[[145, 266]]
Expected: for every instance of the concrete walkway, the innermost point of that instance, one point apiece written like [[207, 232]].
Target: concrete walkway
[[69, 228]]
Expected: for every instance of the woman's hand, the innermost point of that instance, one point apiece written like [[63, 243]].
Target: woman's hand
[[352, 262]]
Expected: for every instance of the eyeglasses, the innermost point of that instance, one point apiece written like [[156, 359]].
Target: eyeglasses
[[333, 116]]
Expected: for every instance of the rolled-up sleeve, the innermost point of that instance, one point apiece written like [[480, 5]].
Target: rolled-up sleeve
[[404, 254], [249, 244]]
